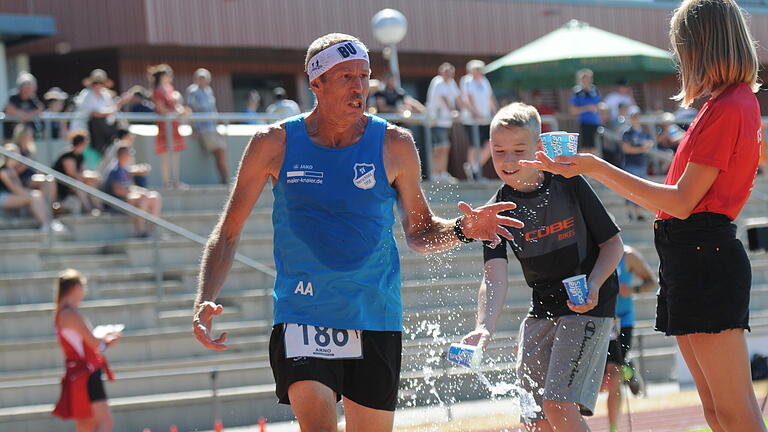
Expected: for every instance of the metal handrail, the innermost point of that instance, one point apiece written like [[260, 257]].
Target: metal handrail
[[129, 209]]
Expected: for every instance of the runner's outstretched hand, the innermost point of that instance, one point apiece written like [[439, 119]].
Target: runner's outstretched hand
[[203, 323], [485, 223]]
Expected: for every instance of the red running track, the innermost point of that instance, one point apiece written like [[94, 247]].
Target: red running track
[[667, 420]]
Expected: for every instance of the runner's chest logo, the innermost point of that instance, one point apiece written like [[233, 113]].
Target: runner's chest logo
[[364, 175]]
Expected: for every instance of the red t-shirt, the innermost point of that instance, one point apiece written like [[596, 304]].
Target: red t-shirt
[[724, 135]]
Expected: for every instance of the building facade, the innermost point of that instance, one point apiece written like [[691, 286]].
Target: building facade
[[260, 44]]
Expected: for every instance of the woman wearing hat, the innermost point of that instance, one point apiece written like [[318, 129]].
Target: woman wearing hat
[[167, 101], [96, 103]]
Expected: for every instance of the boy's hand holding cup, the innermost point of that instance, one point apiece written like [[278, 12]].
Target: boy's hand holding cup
[[479, 337], [582, 296]]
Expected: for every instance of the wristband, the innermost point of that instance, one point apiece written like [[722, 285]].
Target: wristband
[[460, 232]]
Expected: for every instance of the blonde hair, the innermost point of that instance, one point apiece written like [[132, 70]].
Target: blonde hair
[[713, 46], [68, 279], [18, 133], [518, 115], [581, 73]]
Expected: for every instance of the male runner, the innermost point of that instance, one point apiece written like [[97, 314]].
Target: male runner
[[336, 174]]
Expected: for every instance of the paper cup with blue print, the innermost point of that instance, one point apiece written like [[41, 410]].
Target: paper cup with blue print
[[577, 289], [560, 143]]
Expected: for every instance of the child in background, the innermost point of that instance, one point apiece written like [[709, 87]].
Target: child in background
[[563, 346]]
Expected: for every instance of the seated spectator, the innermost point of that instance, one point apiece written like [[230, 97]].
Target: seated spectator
[[24, 138], [13, 195], [55, 98], [24, 103], [393, 99], [71, 163], [283, 107], [636, 143], [120, 183], [124, 138]]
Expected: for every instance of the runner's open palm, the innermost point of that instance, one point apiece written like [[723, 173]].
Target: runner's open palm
[[485, 223]]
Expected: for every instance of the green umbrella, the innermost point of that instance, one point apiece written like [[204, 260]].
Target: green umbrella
[[552, 60]]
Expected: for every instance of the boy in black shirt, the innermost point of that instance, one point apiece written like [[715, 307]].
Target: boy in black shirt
[[567, 232]]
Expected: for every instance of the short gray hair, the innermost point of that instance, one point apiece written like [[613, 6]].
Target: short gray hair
[[518, 115], [203, 73]]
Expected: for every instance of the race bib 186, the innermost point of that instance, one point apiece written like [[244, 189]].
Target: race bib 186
[[303, 340]]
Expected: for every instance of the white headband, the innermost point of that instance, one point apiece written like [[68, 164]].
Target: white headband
[[323, 61]]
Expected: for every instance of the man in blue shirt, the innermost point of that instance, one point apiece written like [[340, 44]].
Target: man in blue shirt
[[336, 173], [200, 99], [584, 104]]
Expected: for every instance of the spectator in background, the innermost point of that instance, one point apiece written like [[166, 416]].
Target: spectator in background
[[252, 104], [669, 134], [622, 95], [443, 99], [610, 138], [200, 99], [138, 101], [479, 106], [13, 194], [124, 138], [24, 139], [83, 398], [166, 100], [55, 98], [636, 143], [71, 164], [96, 103], [393, 99], [283, 107], [668, 137], [619, 368], [24, 103], [537, 101], [584, 104], [120, 183]]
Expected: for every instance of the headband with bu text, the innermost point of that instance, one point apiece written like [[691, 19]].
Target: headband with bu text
[[323, 61]]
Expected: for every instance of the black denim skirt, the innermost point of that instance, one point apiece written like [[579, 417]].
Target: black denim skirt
[[704, 276]]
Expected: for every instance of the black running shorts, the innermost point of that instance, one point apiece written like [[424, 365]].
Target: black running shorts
[[372, 381]]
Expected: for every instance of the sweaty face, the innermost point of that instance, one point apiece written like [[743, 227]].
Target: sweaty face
[[508, 147], [344, 88]]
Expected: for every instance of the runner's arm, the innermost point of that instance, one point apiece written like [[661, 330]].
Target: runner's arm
[[425, 232], [260, 162]]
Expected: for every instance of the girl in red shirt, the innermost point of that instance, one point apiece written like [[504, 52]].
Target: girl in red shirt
[[704, 271], [167, 101], [82, 391]]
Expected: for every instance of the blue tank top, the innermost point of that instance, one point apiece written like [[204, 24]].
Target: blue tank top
[[337, 261], [625, 307]]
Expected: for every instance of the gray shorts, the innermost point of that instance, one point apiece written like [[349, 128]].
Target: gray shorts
[[441, 137], [209, 140], [563, 359]]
